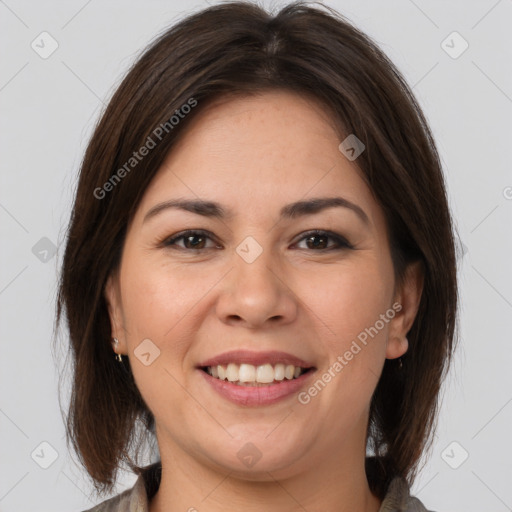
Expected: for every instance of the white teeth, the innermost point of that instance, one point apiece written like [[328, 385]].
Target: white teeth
[[232, 372], [279, 371], [248, 373], [265, 374]]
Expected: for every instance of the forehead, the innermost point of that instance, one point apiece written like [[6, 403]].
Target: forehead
[[241, 121], [251, 151]]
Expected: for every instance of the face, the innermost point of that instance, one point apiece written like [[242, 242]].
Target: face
[[253, 274]]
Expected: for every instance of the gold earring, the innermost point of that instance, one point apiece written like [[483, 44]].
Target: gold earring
[[119, 357], [400, 364]]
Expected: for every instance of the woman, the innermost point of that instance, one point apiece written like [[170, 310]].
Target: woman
[[259, 272]]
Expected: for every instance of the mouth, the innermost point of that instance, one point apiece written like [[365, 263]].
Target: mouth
[[255, 376]]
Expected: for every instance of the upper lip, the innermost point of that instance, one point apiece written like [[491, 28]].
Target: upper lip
[[255, 358]]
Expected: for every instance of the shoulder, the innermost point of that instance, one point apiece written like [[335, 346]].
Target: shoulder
[[131, 500], [398, 498], [118, 503], [137, 498]]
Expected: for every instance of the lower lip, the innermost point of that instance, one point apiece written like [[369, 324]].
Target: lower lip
[[257, 396]]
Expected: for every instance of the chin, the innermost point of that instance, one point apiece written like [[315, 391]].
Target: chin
[[254, 459]]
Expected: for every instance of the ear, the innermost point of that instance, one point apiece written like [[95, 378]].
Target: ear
[[114, 305], [408, 296]]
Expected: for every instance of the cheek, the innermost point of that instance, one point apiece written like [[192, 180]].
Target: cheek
[[166, 304], [347, 306], [354, 295], [158, 305], [156, 298]]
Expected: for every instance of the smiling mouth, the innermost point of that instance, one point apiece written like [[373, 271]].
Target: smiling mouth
[[255, 376]]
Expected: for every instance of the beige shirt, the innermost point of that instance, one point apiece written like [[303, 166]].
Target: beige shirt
[[137, 498]]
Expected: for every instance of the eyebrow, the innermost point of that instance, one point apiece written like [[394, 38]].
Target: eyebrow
[[290, 211]]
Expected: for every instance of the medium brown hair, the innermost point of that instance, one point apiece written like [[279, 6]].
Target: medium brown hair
[[238, 48]]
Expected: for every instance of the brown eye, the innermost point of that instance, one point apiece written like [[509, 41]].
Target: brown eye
[[195, 241], [319, 240], [192, 240]]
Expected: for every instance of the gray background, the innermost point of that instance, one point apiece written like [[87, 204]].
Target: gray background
[[48, 109]]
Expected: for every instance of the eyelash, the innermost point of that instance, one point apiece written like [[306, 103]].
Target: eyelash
[[341, 243]]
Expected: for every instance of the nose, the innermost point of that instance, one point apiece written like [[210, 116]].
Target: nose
[[257, 293]]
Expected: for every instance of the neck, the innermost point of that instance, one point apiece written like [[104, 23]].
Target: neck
[[335, 484]]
